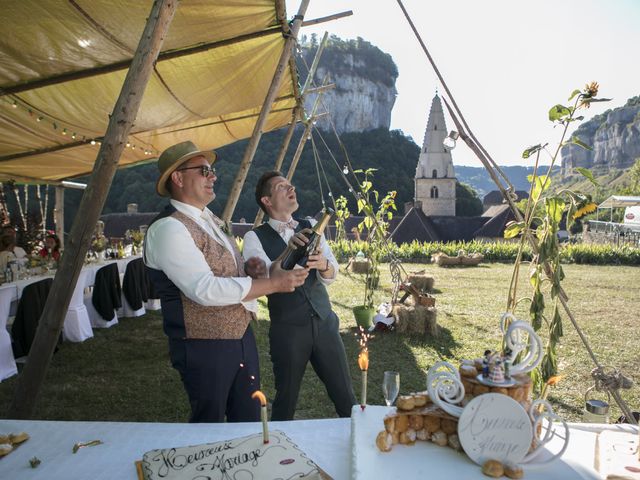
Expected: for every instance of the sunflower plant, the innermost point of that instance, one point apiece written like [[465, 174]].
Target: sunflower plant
[[544, 211]]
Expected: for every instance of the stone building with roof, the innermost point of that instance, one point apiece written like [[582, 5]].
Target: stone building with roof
[[431, 217]]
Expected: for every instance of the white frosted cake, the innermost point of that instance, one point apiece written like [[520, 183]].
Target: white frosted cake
[[428, 460], [240, 458]]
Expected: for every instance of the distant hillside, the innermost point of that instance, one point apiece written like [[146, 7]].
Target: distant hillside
[[478, 178]]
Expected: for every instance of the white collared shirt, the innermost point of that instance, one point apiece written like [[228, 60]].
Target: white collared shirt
[[170, 247], [253, 248]]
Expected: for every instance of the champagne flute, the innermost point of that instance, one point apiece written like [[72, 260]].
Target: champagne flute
[[390, 387]]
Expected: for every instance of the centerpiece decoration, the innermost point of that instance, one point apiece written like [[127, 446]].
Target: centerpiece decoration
[[136, 237]]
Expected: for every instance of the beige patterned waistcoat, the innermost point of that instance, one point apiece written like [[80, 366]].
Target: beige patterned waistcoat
[[228, 322]]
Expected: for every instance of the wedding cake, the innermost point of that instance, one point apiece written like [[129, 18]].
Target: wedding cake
[[246, 457]]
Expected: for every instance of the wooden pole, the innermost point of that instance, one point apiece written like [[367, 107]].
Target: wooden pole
[[285, 144], [249, 153], [58, 215], [120, 123]]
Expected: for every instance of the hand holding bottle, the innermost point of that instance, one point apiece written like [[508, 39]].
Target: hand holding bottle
[[287, 280], [301, 238], [255, 268]]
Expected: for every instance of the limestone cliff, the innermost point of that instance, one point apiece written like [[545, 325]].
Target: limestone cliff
[[365, 84], [614, 137]]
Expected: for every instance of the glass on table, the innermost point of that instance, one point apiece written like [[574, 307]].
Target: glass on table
[[390, 386]]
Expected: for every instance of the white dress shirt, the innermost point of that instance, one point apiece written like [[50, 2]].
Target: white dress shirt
[[253, 248], [170, 247]]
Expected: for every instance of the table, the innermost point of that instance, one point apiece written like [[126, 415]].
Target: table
[[326, 441], [77, 327]]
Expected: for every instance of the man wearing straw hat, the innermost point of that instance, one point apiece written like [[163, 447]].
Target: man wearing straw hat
[[207, 297]]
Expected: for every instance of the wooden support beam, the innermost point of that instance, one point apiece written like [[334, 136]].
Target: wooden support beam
[[328, 18], [120, 123], [249, 153]]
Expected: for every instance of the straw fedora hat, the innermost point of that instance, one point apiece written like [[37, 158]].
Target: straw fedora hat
[[171, 159]]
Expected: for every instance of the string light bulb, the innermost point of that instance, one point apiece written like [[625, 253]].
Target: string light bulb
[[39, 119], [15, 104], [345, 170]]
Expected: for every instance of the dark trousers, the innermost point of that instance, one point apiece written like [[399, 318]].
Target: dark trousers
[[219, 377], [318, 342]]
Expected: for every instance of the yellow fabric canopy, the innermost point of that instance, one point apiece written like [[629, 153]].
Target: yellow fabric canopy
[[63, 63]]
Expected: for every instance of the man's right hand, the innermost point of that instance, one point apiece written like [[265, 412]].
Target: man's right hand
[[287, 280]]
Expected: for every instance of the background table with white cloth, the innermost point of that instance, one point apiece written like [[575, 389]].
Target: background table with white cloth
[[77, 326]]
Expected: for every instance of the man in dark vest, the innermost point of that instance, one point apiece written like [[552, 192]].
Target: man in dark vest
[[303, 328], [207, 291]]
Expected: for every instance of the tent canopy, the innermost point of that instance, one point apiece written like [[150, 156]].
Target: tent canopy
[[62, 66], [619, 201]]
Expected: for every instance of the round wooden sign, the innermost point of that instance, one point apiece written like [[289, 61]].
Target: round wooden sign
[[494, 426]]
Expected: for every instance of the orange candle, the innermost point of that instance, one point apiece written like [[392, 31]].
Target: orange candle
[[263, 414], [363, 363]]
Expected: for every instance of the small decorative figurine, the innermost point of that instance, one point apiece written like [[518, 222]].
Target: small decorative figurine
[[497, 372], [485, 363], [507, 360]]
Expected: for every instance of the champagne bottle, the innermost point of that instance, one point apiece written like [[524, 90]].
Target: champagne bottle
[[299, 254]]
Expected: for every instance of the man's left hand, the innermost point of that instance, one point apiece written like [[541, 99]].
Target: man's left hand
[[255, 268]]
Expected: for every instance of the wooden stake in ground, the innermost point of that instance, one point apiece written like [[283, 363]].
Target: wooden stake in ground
[[120, 123], [249, 153]]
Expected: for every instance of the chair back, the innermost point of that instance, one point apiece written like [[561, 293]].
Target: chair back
[[136, 285], [30, 308], [107, 291]]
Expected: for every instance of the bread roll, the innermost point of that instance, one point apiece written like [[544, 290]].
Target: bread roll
[[513, 470], [406, 402], [416, 422], [493, 468], [383, 441]]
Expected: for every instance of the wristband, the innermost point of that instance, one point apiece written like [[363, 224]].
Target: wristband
[[327, 268]]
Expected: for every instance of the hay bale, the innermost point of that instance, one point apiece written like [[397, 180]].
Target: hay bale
[[416, 320], [421, 281], [359, 265]]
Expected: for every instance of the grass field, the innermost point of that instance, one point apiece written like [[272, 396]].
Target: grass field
[[124, 374]]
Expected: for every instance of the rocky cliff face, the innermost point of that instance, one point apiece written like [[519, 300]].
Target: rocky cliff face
[[365, 85], [614, 137]]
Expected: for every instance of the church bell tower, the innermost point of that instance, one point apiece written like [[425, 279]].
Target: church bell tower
[[435, 181]]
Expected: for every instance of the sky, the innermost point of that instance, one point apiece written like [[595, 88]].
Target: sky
[[506, 62]]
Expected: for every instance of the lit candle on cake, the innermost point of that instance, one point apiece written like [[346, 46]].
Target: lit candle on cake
[[363, 363], [263, 414]]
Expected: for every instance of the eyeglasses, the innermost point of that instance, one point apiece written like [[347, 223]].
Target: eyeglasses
[[205, 170]]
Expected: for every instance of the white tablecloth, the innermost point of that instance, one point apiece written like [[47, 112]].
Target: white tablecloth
[[326, 442]]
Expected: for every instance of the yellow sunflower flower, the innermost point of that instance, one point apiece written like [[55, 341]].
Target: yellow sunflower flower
[[586, 208]]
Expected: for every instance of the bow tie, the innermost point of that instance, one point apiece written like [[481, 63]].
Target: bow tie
[[283, 226]]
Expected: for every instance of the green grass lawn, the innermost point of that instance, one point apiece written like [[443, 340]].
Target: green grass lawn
[[124, 373]]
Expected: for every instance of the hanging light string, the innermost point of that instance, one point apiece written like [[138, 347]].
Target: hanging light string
[[67, 131]]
